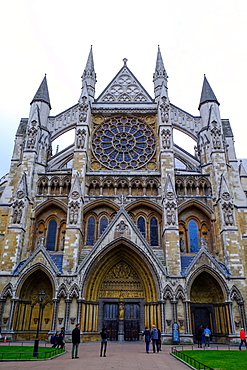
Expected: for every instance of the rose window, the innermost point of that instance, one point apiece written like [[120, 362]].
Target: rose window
[[123, 143]]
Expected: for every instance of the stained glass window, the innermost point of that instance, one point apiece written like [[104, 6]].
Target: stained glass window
[[141, 226], [103, 224], [90, 231], [130, 142], [193, 235], [154, 238], [51, 235]]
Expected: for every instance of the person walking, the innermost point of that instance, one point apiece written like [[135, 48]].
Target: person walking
[[155, 338], [76, 339], [242, 339], [103, 334], [147, 338], [61, 340], [55, 340], [207, 333]]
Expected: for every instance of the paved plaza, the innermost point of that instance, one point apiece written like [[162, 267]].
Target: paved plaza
[[120, 355]]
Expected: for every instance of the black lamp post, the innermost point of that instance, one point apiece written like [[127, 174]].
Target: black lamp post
[[36, 342]]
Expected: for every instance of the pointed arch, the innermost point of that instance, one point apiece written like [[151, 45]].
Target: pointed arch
[[168, 293], [62, 291], [74, 291], [7, 291]]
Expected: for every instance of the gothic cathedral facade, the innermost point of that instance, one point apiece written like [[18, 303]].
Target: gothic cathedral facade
[[124, 228]]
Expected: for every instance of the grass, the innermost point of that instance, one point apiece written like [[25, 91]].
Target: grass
[[26, 352], [220, 360]]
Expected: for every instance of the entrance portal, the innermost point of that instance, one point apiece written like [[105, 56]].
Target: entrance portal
[[122, 320], [208, 307]]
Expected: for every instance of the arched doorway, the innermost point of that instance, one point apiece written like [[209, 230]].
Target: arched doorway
[[121, 294], [208, 307], [27, 309]]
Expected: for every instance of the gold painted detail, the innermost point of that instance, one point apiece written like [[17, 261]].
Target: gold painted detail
[[121, 281]]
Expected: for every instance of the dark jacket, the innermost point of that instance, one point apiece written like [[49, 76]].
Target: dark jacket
[[104, 334], [76, 337], [147, 335]]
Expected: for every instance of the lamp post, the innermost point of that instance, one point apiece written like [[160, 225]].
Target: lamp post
[[36, 342]]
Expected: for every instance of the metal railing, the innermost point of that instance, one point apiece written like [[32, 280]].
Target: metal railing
[[190, 360]]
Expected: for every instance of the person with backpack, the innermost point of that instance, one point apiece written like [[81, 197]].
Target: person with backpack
[[55, 340], [207, 333]]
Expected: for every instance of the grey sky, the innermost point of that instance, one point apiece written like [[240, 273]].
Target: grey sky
[[54, 37]]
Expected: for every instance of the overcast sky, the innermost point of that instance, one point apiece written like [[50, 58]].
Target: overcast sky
[[54, 37]]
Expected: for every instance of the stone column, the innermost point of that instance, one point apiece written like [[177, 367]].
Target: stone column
[[67, 313], [11, 314], [79, 304], [174, 310], [162, 307], [54, 319], [187, 321]]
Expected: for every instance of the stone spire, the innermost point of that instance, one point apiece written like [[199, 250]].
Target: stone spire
[[42, 94], [207, 94], [159, 76], [89, 75]]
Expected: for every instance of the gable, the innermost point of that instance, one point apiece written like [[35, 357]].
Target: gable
[[125, 88]]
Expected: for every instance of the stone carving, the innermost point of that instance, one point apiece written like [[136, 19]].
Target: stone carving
[[227, 209], [17, 211], [83, 108], [80, 138], [73, 212], [215, 131], [164, 110], [181, 245], [41, 241], [32, 134], [166, 139], [203, 243], [121, 311], [121, 228], [170, 213]]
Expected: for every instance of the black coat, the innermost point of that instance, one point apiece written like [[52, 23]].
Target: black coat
[[76, 335]]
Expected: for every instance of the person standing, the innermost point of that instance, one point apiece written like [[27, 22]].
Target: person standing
[[159, 339], [207, 334], [76, 339], [155, 338], [147, 337], [200, 331], [103, 334], [242, 338]]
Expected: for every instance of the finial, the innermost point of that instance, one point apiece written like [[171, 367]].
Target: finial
[[125, 60]]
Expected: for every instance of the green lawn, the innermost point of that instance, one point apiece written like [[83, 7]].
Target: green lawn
[[26, 352], [220, 360]]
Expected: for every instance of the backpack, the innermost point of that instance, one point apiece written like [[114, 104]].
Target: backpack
[[52, 340]]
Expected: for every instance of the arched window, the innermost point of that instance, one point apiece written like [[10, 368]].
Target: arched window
[[141, 226], [154, 232], [193, 236], [103, 224], [51, 235], [90, 231]]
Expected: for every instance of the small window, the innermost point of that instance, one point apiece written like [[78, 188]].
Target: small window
[[154, 232], [103, 224], [90, 231], [193, 236], [51, 236], [141, 226]]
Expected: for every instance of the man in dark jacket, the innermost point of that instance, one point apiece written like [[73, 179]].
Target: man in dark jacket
[[155, 338], [147, 336], [76, 338]]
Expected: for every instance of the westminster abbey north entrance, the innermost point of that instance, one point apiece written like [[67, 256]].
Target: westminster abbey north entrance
[[120, 296]]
